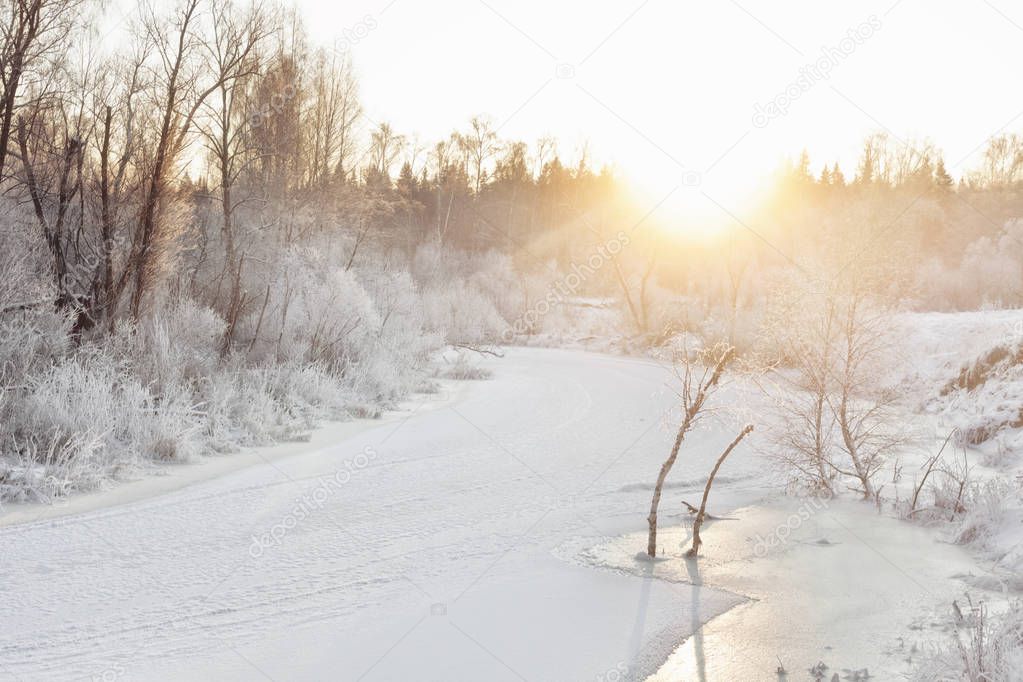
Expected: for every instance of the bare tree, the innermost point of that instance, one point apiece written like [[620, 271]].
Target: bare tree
[[233, 52], [480, 143], [385, 147], [182, 92], [1002, 163], [833, 343], [862, 409], [333, 113], [699, 377], [32, 32], [927, 468], [801, 329], [120, 178], [701, 514]]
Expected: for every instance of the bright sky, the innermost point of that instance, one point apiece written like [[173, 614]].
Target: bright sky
[[666, 90]]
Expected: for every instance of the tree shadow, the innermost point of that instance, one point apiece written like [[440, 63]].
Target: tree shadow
[[696, 625], [696, 581], [636, 638]]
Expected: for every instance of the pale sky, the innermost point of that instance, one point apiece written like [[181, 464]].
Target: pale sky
[[659, 84], [666, 90]]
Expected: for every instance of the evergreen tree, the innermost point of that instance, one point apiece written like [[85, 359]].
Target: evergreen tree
[[942, 179], [837, 178], [803, 168], [825, 179], [867, 169], [406, 183]]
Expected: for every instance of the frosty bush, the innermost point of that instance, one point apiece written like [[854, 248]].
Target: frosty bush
[[464, 369], [986, 508], [462, 313], [255, 406], [29, 342], [84, 420], [314, 314], [496, 279], [322, 347], [985, 647], [175, 346], [403, 345]]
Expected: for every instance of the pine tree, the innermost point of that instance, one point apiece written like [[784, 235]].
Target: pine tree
[[942, 179], [803, 169], [866, 171], [407, 183], [837, 178]]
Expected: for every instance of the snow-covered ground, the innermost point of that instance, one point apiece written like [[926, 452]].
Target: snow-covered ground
[[491, 537], [423, 549]]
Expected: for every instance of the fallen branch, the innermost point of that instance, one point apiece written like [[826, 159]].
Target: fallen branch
[[710, 517], [701, 514], [476, 349]]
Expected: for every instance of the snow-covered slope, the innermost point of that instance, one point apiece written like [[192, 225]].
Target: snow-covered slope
[[985, 405]]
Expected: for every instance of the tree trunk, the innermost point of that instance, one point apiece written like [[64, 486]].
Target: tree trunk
[[849, 440], [695, 549], [692, 410], [651, 543]]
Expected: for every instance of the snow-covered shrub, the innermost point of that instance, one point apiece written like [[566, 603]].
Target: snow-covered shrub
[[242, 410], [991, 271], [938, 286], [41, 472], [989, 275], [247, 406], [464, 369], [462, 313], [32, 332], [986, 507], [985, 647], [430, 265], [30, 341], [177, 345], [495, 278], [741, 330], [664, 312], [403, 345], [83, 420], [315, 312]]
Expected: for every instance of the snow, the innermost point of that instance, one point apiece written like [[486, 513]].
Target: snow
[[490, 533], [434, 559], [840, 585], [936, 347]]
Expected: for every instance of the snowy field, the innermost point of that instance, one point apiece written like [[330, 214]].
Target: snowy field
[[490, 533]]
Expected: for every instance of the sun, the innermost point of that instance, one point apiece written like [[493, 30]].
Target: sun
[[687, 201]]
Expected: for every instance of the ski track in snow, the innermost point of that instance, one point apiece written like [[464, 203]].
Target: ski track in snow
[[436, 560]]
